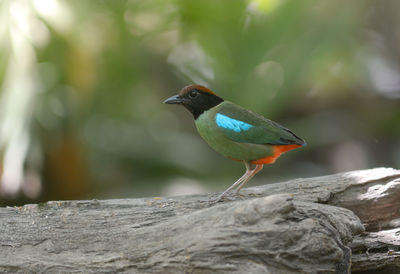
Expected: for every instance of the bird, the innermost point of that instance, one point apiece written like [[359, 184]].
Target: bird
[[235, 132]]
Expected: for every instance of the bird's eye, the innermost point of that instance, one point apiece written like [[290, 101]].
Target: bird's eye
[[193, 94]]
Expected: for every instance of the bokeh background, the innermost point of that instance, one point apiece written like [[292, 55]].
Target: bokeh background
[[82, 85]]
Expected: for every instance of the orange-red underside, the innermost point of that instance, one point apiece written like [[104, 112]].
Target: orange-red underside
[[278, 150]]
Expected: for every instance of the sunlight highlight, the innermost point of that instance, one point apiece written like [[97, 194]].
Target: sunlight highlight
[[56, 12], [191, 60], [378, 191], [266, 6], [17, 96]]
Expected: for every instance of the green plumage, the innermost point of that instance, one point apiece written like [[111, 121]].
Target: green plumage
[[252, 144], [235, 132]]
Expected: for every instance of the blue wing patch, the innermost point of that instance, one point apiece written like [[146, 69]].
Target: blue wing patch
[[230, 123]]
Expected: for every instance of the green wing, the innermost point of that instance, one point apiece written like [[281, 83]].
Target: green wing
[[243, 126]]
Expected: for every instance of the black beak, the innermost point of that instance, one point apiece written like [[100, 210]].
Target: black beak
[[176, 99]]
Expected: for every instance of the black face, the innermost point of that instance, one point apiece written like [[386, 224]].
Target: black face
[[195, 100]]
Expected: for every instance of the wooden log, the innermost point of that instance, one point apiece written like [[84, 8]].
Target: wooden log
[[373, 195], [377, 251], [290, 227]]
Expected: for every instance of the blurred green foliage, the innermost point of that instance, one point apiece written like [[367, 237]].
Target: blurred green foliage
[[82, 85]]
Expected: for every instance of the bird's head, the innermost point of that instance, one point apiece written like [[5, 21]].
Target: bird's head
[[196, 99]]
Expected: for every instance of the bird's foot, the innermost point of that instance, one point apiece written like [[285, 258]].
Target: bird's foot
[[219, 199], [245, 195], [227, 197]]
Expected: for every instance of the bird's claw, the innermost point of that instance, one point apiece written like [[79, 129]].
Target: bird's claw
[[227, 198]]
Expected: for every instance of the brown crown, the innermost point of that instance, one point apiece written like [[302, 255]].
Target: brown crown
[[189, 88]]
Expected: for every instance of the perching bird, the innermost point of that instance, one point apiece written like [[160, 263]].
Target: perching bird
[[236, 132]]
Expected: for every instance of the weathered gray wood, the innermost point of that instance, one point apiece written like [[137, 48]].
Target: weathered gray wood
[[284, 233], [374, 194], [377, 250]]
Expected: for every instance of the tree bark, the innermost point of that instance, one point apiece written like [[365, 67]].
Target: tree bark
[[328, 224]]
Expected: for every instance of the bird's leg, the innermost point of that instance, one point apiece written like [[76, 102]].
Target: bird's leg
[[252, 173], [240, 180]]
